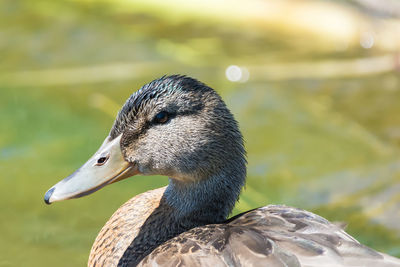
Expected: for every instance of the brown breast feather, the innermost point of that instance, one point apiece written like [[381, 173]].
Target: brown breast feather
[[268, 236], [123, 226]]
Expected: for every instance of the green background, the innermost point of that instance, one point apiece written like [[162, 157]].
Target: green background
[[327, 143]]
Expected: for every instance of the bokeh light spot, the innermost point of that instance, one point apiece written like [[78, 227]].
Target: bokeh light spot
[[235, 73], [367, 40]]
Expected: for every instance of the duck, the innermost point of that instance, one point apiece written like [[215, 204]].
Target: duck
[[178, 127]]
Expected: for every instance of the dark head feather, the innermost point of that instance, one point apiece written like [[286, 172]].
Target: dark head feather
[[152, 91]]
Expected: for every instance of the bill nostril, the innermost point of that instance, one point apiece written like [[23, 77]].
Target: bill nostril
[[101, 161]]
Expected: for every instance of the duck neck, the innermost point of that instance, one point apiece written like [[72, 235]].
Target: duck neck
[[207, 201], [183, 206]]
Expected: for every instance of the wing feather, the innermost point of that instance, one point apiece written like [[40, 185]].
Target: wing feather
[[269, 236]]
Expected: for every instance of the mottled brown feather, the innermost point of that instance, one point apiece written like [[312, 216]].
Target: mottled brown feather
[[268, 236], [123, 226]]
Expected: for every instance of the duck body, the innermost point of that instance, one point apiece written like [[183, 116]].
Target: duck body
[[274, 235], [178, 127]]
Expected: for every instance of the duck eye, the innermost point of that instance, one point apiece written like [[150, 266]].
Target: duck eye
[[161, 117], [101, 161]]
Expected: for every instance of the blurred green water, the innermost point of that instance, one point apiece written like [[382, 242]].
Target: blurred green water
[[329, 145]]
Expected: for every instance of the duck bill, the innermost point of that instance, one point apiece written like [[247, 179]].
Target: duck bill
[[106, 166]]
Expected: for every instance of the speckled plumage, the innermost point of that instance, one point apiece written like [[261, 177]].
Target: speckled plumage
[[200, 149], [124, 225], [273, 235], [153, 91]]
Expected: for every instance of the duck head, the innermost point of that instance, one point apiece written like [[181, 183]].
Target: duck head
[[174, 126]]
